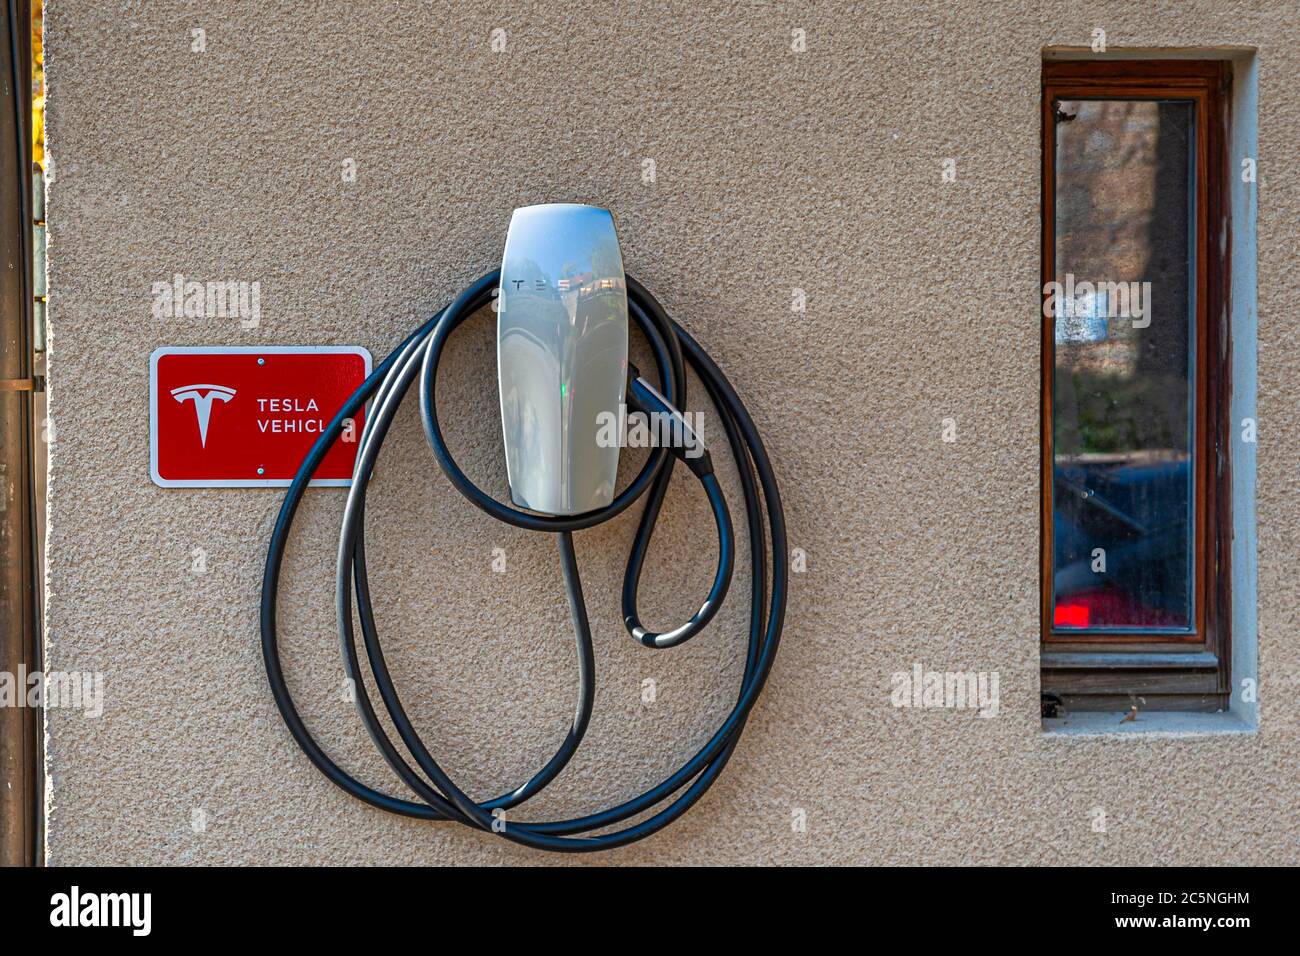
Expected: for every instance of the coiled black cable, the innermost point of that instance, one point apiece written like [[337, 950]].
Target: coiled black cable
[[439, 798]]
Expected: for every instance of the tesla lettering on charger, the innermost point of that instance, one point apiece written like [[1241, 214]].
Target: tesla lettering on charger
[[245, 417]]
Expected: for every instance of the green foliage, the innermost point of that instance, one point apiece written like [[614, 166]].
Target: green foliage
[[1116, 412]]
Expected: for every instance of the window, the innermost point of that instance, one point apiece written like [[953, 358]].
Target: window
[[1135, 470]]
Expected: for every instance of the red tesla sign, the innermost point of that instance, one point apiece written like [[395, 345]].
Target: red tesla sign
[[245, 417]]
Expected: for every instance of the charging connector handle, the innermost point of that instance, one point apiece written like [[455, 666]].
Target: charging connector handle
[[439, 797], [687, 446]]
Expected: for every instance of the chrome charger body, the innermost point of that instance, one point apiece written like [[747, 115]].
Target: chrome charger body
[[561, 355], [542, 451]]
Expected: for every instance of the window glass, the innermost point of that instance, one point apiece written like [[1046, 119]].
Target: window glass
[[1123, 387]]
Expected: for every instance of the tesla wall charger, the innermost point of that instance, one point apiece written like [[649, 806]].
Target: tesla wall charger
[[562, 339]]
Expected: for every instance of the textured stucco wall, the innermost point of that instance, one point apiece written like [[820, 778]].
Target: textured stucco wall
[[775, 170]]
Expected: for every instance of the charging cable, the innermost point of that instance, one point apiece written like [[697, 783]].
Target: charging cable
[[439, 797]]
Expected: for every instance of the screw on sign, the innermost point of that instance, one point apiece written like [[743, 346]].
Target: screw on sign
[[243, 416]]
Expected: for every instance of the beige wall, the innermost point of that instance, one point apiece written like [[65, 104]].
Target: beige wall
[[774, 170]]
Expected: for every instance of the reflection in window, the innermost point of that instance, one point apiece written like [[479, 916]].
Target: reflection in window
[[1123, 389]]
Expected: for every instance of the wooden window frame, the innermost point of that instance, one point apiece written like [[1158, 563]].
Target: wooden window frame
[[1167, 671]]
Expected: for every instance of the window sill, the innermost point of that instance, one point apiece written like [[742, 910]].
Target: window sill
[[1150, 725], [1055, 660]]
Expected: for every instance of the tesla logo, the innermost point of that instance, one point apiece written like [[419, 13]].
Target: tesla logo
[[202, 397]]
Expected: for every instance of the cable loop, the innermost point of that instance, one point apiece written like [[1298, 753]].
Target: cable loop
[[439, 798]]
